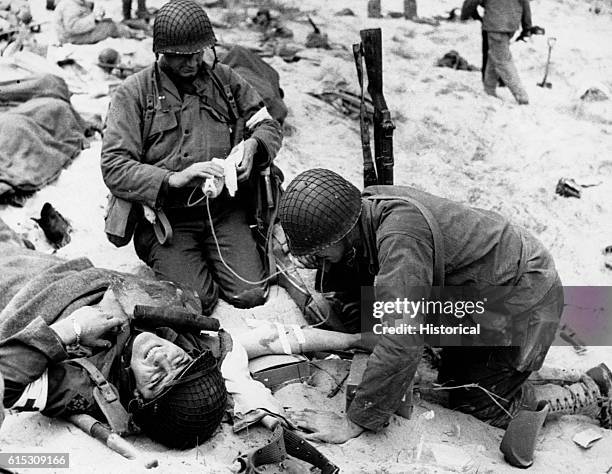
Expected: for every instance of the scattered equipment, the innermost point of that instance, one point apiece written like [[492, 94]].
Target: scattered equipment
[[567, 187], [284, 443]]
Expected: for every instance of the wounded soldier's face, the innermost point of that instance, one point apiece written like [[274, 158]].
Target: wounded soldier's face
[[155, 363]]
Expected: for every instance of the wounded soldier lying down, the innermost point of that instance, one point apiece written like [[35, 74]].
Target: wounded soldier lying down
[[64, 332]]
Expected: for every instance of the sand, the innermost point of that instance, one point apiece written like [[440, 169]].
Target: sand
[[451, 140]]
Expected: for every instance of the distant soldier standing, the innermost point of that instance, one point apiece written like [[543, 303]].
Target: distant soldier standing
[[501, 20]]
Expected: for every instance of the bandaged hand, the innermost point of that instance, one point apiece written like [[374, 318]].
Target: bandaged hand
[[246, 165]]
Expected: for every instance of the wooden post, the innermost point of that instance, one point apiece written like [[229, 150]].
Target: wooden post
[[410, 9], [374, 9]]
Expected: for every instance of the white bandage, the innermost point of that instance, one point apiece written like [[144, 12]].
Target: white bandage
[[149, 214], [299, 334], [282, 338], [229, 168], [34, 397], [261, 115]]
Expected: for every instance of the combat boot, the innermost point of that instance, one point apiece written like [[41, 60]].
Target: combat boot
[[585, 397], [602, 376]]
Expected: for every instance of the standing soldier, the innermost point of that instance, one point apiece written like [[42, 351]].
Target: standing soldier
[[165, 125], [501, 20], [141, 13]]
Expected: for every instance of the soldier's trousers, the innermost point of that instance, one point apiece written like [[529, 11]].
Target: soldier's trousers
[[127, 8], [501, 65], [193, 260], [491, 369]]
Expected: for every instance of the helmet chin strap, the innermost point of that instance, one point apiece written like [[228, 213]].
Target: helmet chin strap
[[216, 60]]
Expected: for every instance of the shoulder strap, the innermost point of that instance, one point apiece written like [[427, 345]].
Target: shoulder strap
[[148, 118], [438, 274], [226, 93], [156, 90], [107, 397]]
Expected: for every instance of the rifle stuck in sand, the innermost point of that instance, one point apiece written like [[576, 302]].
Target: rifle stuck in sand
[[370, 50]]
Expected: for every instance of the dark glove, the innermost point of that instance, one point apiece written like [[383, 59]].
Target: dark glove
[[534, 30], [524, 34]]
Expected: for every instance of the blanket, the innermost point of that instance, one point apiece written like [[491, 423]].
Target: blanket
[[35, 284], [261, 76], [40, 134]]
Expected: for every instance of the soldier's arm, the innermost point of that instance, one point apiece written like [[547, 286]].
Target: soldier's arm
[[122, 149], [526, 16], [406, 271], [469, 10], [260, 124], [35, 377]]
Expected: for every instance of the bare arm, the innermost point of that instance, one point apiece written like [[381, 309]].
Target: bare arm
[[266, 339]]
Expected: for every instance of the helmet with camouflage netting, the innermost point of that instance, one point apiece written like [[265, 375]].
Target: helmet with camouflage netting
[[182, 27], [189, 410], [318, 209]]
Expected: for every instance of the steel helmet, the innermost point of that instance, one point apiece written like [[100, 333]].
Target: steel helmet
[[108, 59], [318, 209], [182, 27], [191, 408]]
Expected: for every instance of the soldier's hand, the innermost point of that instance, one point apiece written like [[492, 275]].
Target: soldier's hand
[[325, 426], [246, 165], [194, 173], [95, 324], [524, 34], [92, 324]]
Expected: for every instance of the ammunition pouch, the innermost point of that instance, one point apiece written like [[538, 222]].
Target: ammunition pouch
[[120, 220]]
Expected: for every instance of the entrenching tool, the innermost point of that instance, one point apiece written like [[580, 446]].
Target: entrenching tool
[[100, 431], [551, 42]]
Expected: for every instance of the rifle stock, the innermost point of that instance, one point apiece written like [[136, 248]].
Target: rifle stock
[[371, 41]]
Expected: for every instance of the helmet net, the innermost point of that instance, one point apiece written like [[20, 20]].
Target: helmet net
[[317, 210]]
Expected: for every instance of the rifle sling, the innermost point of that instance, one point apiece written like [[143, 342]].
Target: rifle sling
[[369, 172], [107, 398]]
